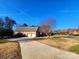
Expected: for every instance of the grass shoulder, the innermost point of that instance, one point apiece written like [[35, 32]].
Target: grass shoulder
[[9, 49], [62, 43]]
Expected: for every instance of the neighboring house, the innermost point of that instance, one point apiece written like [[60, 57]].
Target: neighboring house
[[68, 31], [28, 31], [74, 31]]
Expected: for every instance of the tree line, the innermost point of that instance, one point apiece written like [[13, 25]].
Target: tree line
[[6, 27]]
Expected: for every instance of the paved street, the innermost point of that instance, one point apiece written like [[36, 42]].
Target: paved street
[[36, 50]]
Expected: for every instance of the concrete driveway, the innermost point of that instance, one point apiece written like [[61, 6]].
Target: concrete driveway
[[36, 50]]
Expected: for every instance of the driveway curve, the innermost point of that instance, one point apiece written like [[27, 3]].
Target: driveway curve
[[36, 50]]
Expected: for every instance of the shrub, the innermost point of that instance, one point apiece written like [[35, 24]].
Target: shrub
[[20, 35], [6, 32], [74, 34], [75, 48], [57, 37]]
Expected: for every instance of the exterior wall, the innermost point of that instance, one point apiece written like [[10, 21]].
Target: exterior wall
[[15, 32], [75, 32], [29, 34]]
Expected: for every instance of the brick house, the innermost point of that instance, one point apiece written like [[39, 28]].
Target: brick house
[[74, 31]]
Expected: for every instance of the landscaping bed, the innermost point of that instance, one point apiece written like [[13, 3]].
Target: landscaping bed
[[62, 43], [9, 50]]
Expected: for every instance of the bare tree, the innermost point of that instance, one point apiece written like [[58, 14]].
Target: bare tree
[[46, 26], [45, 29]]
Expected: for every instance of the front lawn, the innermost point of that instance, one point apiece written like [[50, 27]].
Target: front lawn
[[75, 48], [3, 41], [9, 50], [61, 43]]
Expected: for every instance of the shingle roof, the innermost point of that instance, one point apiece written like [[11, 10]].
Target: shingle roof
[[26, 29]]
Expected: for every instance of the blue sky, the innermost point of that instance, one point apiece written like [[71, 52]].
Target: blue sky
[[66, 12]]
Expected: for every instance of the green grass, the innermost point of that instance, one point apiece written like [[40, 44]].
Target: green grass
[[58, 39], [3, 41], [74, 34], [75, 48]]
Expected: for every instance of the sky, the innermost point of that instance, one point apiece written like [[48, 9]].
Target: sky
[[32, 12]]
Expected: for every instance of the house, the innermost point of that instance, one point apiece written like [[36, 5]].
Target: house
[[28, 31], [74, 31], [68, 31]]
